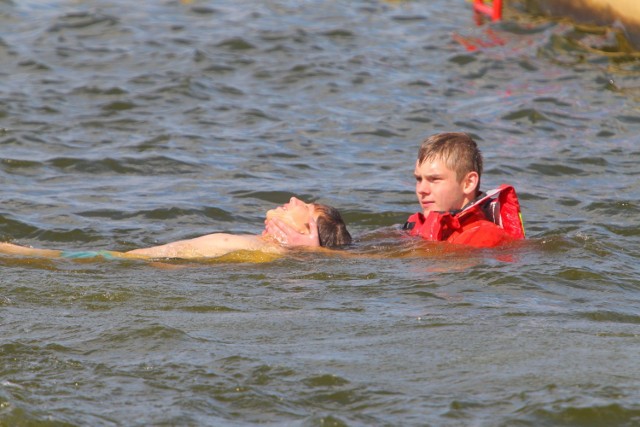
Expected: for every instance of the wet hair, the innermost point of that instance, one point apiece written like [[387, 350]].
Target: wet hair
[[457, 150], [332, 231]]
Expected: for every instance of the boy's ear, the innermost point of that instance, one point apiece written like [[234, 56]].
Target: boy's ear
[[470, 183]]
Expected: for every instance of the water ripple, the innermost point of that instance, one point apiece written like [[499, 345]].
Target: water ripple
[[127, 124]]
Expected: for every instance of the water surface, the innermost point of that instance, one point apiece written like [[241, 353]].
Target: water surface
[[127, 124]]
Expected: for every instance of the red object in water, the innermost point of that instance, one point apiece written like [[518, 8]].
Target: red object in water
[[494, 10]]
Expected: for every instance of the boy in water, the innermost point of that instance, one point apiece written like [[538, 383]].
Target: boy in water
[[447, 173], [315, 224]]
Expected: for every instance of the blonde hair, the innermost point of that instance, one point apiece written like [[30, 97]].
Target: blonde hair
[[457, 150]]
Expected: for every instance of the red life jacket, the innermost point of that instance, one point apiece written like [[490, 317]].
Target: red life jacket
[[490, 220]]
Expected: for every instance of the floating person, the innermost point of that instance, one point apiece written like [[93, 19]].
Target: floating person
[[454, 210], [315, 225]]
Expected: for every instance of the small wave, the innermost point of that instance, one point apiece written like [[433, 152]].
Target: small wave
[[82, 20], [157, 165], [383, 133], [15, 228], [12, 229], [612, 208], [116, 106], [610, 316], [236, 43], [339, 34], [552, 168], [204, 309], [161, 213], [270, 196], [127, 336], [596, 415], [203, 10], [16, 165], [95, 90]]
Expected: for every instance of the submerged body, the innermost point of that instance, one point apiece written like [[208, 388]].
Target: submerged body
[[209, 246], [316, 225]]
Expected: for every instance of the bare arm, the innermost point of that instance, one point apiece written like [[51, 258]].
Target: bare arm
[[209, 246]]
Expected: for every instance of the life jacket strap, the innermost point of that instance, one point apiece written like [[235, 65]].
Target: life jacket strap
[[409, 225]]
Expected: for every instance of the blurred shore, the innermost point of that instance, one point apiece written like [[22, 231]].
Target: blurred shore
[[623, 15]]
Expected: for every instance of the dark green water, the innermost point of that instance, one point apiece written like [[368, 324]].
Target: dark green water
[[127, 124]]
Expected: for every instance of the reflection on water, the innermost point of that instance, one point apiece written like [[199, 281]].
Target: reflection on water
[[131, 124]]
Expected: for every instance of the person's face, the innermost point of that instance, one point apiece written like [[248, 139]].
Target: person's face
[[296, 214], [438, 189]]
